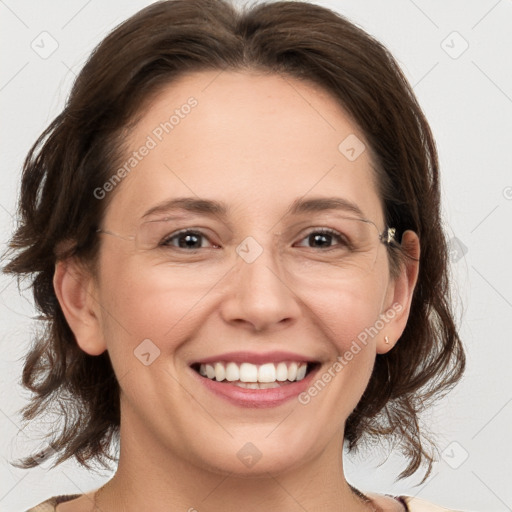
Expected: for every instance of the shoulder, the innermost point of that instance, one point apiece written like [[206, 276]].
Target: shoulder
[[391, 503], [420, 505], [50, 504]]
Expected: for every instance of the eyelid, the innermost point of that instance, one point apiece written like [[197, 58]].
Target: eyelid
[[186, 217], [160, 218]]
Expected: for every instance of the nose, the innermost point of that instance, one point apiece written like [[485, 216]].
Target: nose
[[259, 295]]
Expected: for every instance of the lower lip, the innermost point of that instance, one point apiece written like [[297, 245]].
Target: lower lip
[[257, 398]]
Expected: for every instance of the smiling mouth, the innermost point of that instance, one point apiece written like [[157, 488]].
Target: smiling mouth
[[252, 376]]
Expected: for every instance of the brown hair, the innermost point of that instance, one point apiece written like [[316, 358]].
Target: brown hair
[[78, 151]]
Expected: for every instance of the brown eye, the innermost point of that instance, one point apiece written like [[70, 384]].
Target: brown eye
[[186, 239], [324, 238]]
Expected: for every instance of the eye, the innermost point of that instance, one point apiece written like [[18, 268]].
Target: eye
[[320, 238], [186, 239], [324, 237]]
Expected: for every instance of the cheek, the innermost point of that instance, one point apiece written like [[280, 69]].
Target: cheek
[[347, 314], [347, 319], [149, 300], [143, 312]]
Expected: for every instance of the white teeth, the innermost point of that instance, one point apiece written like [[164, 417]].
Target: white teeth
[[281, 372], [266, 373], [248, 385], [232, 372], [248, 372], [257, 385], [292, 371], [251, 376], [301, 372], [210, 372], [220, 372]]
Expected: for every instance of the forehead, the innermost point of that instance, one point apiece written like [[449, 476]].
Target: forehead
[[252, 141]]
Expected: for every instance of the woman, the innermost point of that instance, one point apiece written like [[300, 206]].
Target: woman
[[234, 232]]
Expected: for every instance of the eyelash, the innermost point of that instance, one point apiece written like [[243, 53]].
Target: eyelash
[[322, 231]]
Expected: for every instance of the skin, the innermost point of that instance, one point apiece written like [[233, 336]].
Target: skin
[[256, 142]]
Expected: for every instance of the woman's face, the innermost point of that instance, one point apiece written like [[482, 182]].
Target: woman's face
[[253, 286]]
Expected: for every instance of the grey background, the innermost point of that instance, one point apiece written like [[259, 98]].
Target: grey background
[[467, 97]]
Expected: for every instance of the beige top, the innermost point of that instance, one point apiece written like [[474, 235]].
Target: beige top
[[412, 504]]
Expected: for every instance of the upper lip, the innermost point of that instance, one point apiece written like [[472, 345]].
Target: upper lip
[[255, 357]]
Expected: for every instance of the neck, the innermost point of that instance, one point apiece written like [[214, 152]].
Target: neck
[[151, 478]]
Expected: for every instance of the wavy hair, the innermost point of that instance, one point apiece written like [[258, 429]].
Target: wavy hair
[[78, 151]]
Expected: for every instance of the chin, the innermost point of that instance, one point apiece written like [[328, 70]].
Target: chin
[[257, 455]]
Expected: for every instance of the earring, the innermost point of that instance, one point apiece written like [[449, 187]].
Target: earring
[[386, 340]]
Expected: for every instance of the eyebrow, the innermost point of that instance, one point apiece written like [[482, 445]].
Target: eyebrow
[[218, 208]]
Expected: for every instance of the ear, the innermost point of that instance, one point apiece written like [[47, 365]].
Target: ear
[[76, 292], [399, 295]]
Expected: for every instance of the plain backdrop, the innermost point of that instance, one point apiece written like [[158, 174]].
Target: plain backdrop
[[458, 57]]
